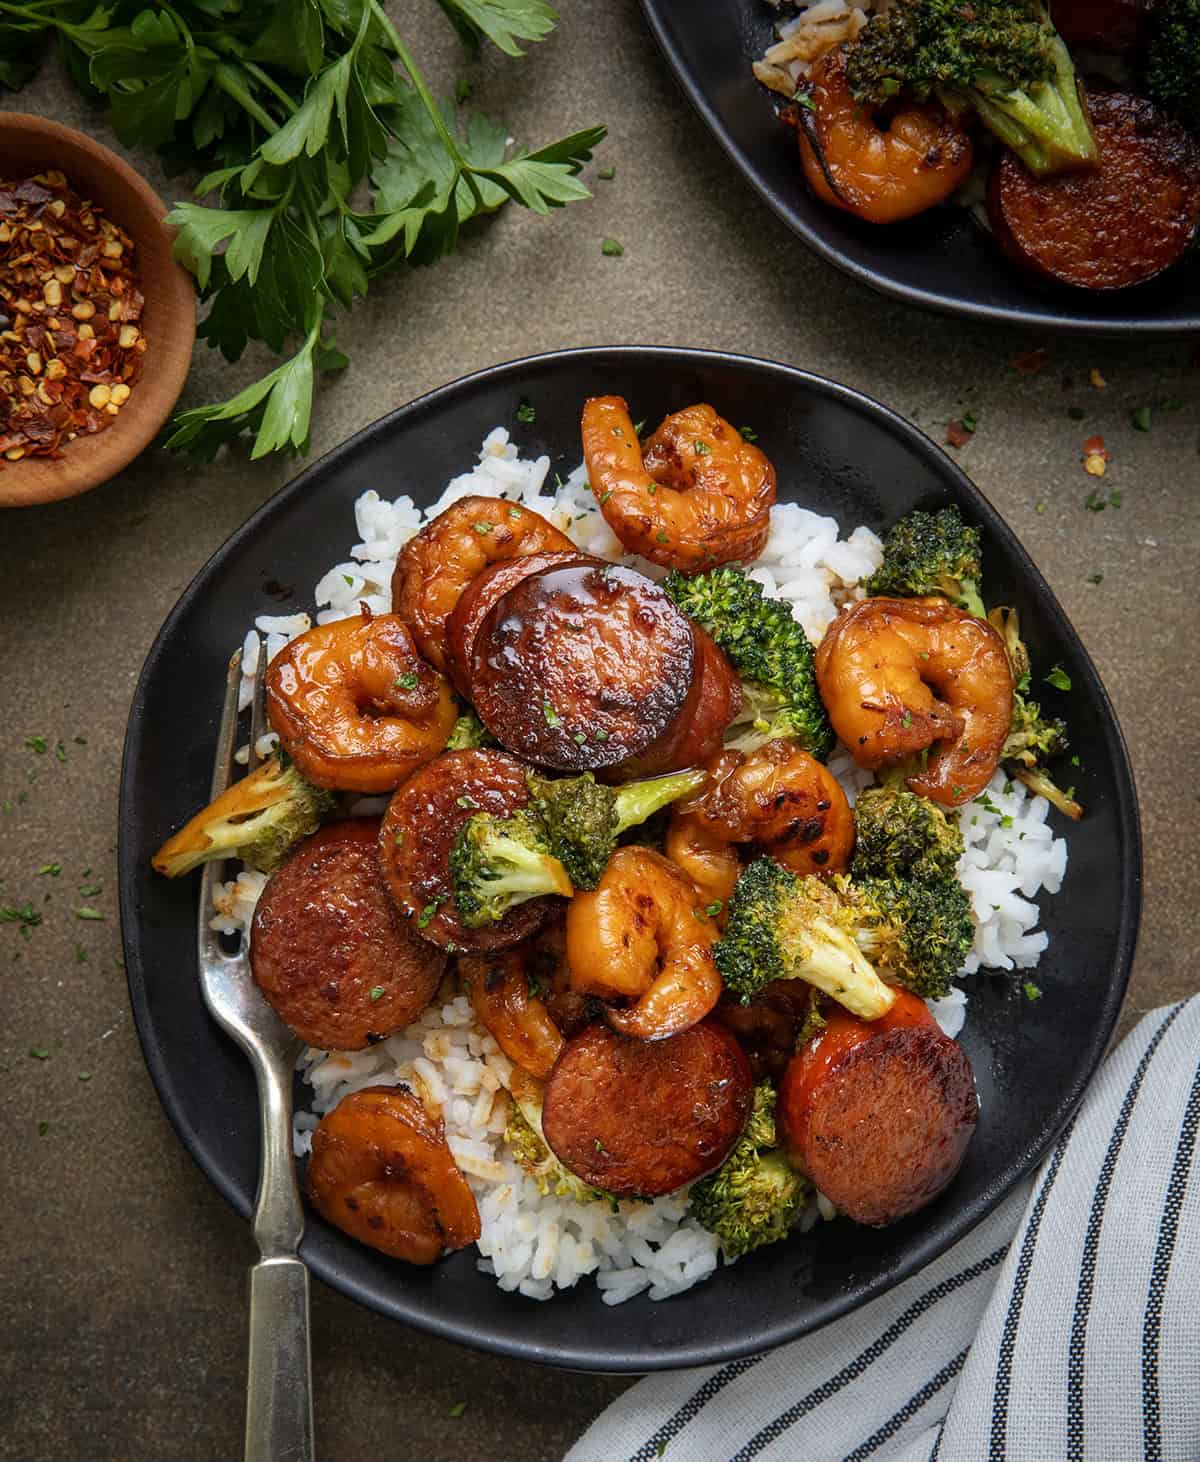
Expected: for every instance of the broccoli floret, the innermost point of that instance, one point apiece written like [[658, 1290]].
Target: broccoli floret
[[783, 927], [526, 1142], [1034, 739], [469, 732], [833, 934], [770, 652], [560, 842], [497, 862], [1171, 70], [581, 819], [920, 933], [932, 553], [258, 819], [755, 1195], [901, 835], [1002, 57]]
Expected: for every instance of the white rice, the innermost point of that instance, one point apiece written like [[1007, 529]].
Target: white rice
[[534, 1242]]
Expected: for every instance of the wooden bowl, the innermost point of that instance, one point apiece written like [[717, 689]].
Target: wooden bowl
[[31, 145]]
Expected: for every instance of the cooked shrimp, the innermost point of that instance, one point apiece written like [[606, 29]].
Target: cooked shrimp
[[436, 566], [880, 172], [503, 1000], [381, 1170], [708, 859], [694, 495], [643, 936], [355, 706], [902, 676], [780, 799]]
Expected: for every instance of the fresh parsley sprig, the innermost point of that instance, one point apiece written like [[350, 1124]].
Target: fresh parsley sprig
[[329, 160]]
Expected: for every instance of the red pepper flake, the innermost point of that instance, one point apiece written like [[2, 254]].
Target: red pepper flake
[[958, 434], [71, 349], [1031, 361], [1094, 447]]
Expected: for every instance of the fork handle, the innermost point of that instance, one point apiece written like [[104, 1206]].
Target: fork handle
[[279, 1415]]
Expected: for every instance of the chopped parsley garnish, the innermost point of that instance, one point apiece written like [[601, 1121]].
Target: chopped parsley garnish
[[457, 1409], [376, 993], [606, 174], [482, 527], [1059, 678], [703, 449], [85, 1076], [662, 537], [49, 869], [1095, 578], [551, 715], [39, 1053], [425, 917], [715, 908], [89, 890], [88, 913], [526, 413], [1140, 416], [1032, 991], [60, 751], [38, 744], [970, 421], [612, 248], [462, 90], [408, 681], [748, 434]]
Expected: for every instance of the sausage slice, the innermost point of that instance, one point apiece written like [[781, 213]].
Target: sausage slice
[[418, 831], [329, 949], [642, 1118], [1117, 224], [699, 729], [579, 668], [879, 1114], [477, 599]]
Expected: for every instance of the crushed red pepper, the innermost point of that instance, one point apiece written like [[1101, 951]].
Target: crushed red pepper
[[71, 347]]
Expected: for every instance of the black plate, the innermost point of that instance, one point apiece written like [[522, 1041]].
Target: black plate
[[836, 451], [943, 259]]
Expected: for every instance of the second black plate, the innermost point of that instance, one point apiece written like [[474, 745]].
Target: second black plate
[[942, 260]]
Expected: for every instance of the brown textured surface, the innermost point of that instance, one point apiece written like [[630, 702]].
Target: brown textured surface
[[124, 1296]]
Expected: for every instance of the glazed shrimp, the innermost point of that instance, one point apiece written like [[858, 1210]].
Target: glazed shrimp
[[503, 1000], [709, 860], [436, 566], [694, 495], [355, 706], [783, 801], [902, 676], [643, 936], [880, 173], [381, 1170]]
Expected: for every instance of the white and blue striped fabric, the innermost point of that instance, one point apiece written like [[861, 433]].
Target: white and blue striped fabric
[[1065, 1326]]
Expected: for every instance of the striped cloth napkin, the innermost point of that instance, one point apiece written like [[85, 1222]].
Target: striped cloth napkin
[[1066, 1325]]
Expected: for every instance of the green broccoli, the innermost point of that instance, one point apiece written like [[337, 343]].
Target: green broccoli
[[1002, 57], [258, 819], [560, 842], [834, 933], [468, 733], [783, 927], [919, 932], [526, 1142], [1171, 67], [1034, 739], [770, 652], [497, 862], [901, 835], [755, 1195], [582, 819], [932, 553]]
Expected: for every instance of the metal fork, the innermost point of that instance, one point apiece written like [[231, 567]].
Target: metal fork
[[279, 1418]]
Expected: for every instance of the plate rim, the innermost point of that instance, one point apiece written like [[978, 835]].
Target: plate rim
[[637, 1357], [655, 12]]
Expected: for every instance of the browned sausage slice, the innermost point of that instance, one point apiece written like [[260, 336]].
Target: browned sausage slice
[[581, 668], [642, 1118], [330, 950], [699, 729], [1102, 25], [879, 1114], [1116, 225], [418, 832], [477, 599], [381, 1170]]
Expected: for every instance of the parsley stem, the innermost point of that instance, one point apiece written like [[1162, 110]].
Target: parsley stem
[[277, 91], [230, 82], [419, 86]]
